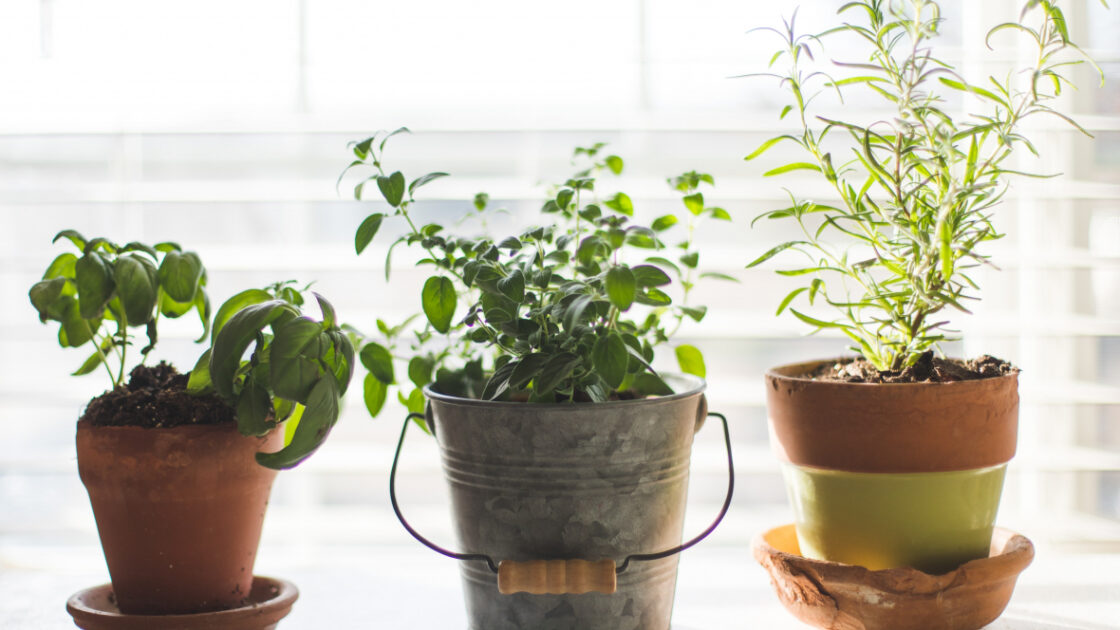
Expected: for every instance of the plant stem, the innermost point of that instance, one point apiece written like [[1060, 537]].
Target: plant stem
[[104, 359], [122, 329]]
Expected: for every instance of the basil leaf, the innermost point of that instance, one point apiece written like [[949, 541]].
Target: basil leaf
[[137, 284], [293, 357], [180, 274], [234, 338], [235, 304], [319, 417], [95, 284]]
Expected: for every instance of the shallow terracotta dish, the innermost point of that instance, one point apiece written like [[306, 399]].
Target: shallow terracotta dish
[[270, 600], [838, 596]]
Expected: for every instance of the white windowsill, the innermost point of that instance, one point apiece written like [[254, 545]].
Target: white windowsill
[[719, 588]]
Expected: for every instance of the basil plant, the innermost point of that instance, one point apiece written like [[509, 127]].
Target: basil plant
[[298, 369], [97, 295]]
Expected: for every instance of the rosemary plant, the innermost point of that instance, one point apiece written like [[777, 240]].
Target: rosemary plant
[[916, 191]]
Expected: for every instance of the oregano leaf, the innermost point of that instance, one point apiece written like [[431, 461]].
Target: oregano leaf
[[610, 358], [621, 287], [691, 361], [438, 299], [366, 231], [392, 188]]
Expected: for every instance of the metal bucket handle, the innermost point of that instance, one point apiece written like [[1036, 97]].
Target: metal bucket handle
[[561, 576]]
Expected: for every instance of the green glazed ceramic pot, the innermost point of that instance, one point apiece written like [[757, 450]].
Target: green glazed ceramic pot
[[930, 521], [893, 475]]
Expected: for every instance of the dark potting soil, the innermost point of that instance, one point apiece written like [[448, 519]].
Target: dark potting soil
[[155, 397], [927, 369]]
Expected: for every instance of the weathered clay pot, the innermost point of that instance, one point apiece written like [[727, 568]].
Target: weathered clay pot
[[269, 601], [179, 512], [837, 596], [892, 475]]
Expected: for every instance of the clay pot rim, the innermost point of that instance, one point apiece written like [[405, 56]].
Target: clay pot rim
[[878, 474], [795, 372], [1010, 553], [893, 428], [276, 605], [694, 384], [86, 425]]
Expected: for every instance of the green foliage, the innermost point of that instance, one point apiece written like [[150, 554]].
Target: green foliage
[[297, 371], [570, 310], [96, 296], [916, 190]]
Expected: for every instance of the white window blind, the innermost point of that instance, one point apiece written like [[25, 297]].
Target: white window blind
[[224, 127]]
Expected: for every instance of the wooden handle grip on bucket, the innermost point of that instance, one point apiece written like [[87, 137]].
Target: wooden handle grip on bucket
[[556, 577]]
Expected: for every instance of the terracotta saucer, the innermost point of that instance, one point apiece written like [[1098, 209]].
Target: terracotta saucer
[[838, 596], [270, 600]]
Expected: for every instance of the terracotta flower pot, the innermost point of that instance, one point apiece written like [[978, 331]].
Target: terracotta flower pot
[[893, 475], [179, 512]]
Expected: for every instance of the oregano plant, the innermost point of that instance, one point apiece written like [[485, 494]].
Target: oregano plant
[[570, 310], [105, 290], [916, 190]]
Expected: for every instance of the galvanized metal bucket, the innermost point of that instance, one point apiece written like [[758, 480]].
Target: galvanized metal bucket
[[569, 481]]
